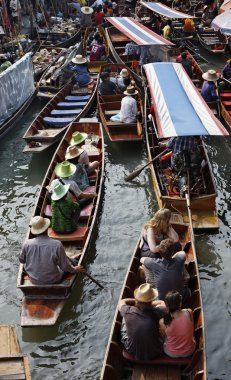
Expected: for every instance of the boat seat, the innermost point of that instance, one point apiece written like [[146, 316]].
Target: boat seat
[[85, 213], [227, 103], [156, 373], [59, 121], [79, 234], [90, 191], [112, 112], [162, 360], [66, 280], [71, 104], [225, 95], [77, 98], [65, 112]]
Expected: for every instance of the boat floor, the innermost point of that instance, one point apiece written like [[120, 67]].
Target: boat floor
[[41, 312], [37, 149], [156, 373]]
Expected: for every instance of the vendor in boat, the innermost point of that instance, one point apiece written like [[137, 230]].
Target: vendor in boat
[[167, 30], [154, 231], [74, 5], [80, 70], [98, 16], [131, 49], [226, 74], [206, 17], [188, 27], [128, 111], [182, 49], [122, 80], [98, 51], [209, 87], [107, 87], [166, 273], [86, 17], [177, 327], [43, 258], [187, 64], [140, 327]]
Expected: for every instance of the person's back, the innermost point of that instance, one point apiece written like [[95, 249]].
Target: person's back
[[187, 64], [99, 17], [63, 220], [97, 51], [107, 87], [208, 90]]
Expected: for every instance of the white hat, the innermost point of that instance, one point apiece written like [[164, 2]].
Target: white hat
[[72, 152], [130, 90], [79, 59], [145, 293], [210, 76], [59, 191], [39, 225], [124, 73], [87, 10]]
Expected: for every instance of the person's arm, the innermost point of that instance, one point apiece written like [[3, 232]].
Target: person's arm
[[65, 264], [22, 256], [151, 240], [181, 254], [126, 301], [172, 234], [162, 327], [84, 159]]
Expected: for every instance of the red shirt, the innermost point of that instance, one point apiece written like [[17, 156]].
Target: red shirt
[[99, 18]]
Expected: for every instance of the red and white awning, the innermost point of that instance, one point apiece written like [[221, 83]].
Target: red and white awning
[[163, 10]]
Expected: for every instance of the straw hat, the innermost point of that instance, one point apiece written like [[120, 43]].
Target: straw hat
[[124, 73], [39, 225], [210, 76], [65, 169], [78, 137], [79, 59], [44, 133], [72, 152], [130, 90], [145, 293], [87, 10], [59, 191]]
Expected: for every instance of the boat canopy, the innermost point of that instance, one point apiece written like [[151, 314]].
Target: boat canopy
[[16, 86], [164, 10], [137, 32], [180, 109], [223, 22], [225, 6]]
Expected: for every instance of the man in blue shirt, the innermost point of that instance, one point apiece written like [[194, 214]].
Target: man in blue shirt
[[209, 90]]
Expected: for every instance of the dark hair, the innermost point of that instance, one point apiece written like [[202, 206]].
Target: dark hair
[[184, 55], [100, 40], [105, 75], [182, 48], [107, 70], [173, 300], [166, 248], [127, 81], [169, 22]]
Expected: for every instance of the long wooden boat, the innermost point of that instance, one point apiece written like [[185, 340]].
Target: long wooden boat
[[225, 102], [42, 304], [13, 364], [70, 104], [167, 184], [212, 40], [119, 365], [89, 32], [44, 58], [109, 105], [66, 36]]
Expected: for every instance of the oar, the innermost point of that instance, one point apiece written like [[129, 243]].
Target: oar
[[136, 172], [93, 280], [187, 196]]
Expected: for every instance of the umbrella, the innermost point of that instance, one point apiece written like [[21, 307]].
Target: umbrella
[[223, 22]]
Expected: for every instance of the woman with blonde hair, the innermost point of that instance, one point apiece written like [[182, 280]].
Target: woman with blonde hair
[[155, 230]]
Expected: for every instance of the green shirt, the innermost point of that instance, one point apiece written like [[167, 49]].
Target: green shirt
[[62, 215]]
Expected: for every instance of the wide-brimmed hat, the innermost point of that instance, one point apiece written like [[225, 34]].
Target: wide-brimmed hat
[[72, 152], [43, 133], [210, 76], [124, 73], [87, 10], [39, 225], [145, 293], [59, 191], [130, 90], [79, 59], [78, 137], [65, 169]]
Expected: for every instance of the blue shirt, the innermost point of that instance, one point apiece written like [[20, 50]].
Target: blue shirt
[[181, 143], [208, 91]]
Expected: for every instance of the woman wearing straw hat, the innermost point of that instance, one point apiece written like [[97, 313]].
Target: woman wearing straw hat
[[209, 89], [78, 66], [65, 170], [128, 111], [86, 14], [44, 259], [140, 327]]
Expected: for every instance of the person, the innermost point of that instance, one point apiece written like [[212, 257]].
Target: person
[[43, 258], [128, 111], [131, 49], [65, 212], [145, 55], [65, 170], [140, 327], [154, 231], [187, 64], [177, 327], [80, 158], [80, 70], [76, 6], [226, 73], [166, 273], [209, 90], [182, 49], [122, 80], [85, 20], [206, 17], [167, 30], [107, 87], [98, 16], [98, 52], [188, 26], [181, 147]]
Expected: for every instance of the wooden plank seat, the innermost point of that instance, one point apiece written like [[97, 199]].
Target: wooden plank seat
[[77, 98], [111, 112], [58, 121], [225, 95], [156, 373], [162, 360], [66, 281], [73, 112], [84, 214], [79, 234], [120, 125], [69, 105], [227, 103]]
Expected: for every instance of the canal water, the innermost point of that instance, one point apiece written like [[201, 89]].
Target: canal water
[[75, 347]]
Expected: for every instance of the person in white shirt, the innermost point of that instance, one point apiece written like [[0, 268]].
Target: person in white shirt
[[128, 111]]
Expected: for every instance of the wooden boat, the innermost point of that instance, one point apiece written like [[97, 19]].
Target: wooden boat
[[13, 364], [70, 104], [198, 9], [109, 105], [44, 58], [119, 365], [42, 304], [89, 32], [65, 35], [212, 40], [225, 103], [53, 79]]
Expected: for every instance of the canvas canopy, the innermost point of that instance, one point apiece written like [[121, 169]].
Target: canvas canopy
[[180, 109], [164, 10], [137, 32], [16, 86], [223, 22]]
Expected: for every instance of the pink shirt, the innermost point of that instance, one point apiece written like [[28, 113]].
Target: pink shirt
[[180, 341]]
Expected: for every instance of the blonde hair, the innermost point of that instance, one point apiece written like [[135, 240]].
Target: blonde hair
[[160, 221]]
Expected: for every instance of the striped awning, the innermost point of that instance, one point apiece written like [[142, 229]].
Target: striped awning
[[137, 32], [164, 10], [222, 22], [180, 109]]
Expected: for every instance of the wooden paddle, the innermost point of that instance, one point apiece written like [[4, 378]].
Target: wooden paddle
[[93, 280], [187, 196], [136, 172]]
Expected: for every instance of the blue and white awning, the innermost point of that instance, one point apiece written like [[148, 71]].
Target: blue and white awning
[[223, 22], [164, 10], [137, 32], [179, 107]]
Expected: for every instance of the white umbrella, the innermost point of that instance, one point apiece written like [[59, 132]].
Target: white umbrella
[[223, 22]]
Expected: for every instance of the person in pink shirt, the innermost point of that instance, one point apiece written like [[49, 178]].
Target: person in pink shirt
[[177, 327]]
